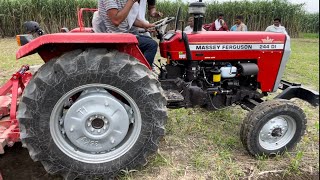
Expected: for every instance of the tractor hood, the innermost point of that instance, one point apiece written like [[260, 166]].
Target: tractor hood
[[213, 41]]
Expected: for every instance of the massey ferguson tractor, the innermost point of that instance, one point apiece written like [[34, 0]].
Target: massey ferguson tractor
[[95, 107]]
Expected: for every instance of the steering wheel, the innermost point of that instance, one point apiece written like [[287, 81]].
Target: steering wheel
[[163, 22], [161, 25]]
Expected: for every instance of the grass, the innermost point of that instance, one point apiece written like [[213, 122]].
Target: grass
[[310, 35], [205, 145], [303, 65], [8, 62]]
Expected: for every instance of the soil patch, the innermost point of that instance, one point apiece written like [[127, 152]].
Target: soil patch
[[17, 164]]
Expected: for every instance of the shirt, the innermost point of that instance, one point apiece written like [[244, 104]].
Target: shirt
[[214, 26], [273, 28], [240, 27], [190, 29], [141, 13], [104, 6], [97, 23], [142, 10], [133, 13]]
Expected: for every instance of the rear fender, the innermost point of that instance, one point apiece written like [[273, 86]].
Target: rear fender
[[54, 45]]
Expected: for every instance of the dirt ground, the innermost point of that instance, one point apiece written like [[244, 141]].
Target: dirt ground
[[16, 164]]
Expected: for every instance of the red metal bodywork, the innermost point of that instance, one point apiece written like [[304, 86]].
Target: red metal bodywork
[[268, 60], [85, 29], [54, 45], [9, 93], [80, 18]]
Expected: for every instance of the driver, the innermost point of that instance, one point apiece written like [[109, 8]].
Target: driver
[[114, 17]]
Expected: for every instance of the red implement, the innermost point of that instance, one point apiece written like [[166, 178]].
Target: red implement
[[9, 94]]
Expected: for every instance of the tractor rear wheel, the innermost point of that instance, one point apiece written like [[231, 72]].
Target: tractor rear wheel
[[273, 127], [92, 113]]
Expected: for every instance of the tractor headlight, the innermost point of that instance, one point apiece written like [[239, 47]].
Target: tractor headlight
[[23, 39]]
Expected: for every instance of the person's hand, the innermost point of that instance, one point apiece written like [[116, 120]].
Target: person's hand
[[221, 22], [148, 25], [154, 13]]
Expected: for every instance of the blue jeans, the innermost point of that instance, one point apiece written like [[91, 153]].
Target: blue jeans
[[148, 47]]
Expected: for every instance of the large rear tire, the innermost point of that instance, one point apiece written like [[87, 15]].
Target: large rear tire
[[91, 114], [273, 127]]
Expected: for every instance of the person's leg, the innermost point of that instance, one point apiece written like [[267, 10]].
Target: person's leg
[[148, 47]]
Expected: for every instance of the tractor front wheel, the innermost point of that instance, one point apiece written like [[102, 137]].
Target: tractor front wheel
[[92, 113], [273, 127]]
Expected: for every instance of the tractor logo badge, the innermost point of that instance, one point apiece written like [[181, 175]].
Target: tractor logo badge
[[267, 40]]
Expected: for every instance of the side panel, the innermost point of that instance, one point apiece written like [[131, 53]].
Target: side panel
[[53, 45]]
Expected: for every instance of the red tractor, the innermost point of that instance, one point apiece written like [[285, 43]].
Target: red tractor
[[95, 107]]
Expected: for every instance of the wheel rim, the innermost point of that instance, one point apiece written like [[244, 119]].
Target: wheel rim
[[95, 123], [277, 132]]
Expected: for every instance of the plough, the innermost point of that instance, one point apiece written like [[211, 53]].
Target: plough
[[9, 96]]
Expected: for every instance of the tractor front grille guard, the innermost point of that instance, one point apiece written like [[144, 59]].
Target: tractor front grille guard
[[9, 94]]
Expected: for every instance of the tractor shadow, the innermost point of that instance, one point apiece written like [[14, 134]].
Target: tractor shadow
[[17, 164]]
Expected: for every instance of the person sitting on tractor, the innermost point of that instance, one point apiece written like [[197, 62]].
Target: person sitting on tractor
[[219, 24], [189, 28], [239, 26], [114, 19], [139, 12], [276, 27]]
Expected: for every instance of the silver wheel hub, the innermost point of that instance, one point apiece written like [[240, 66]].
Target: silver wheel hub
[[277, 132], [96, 122]]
